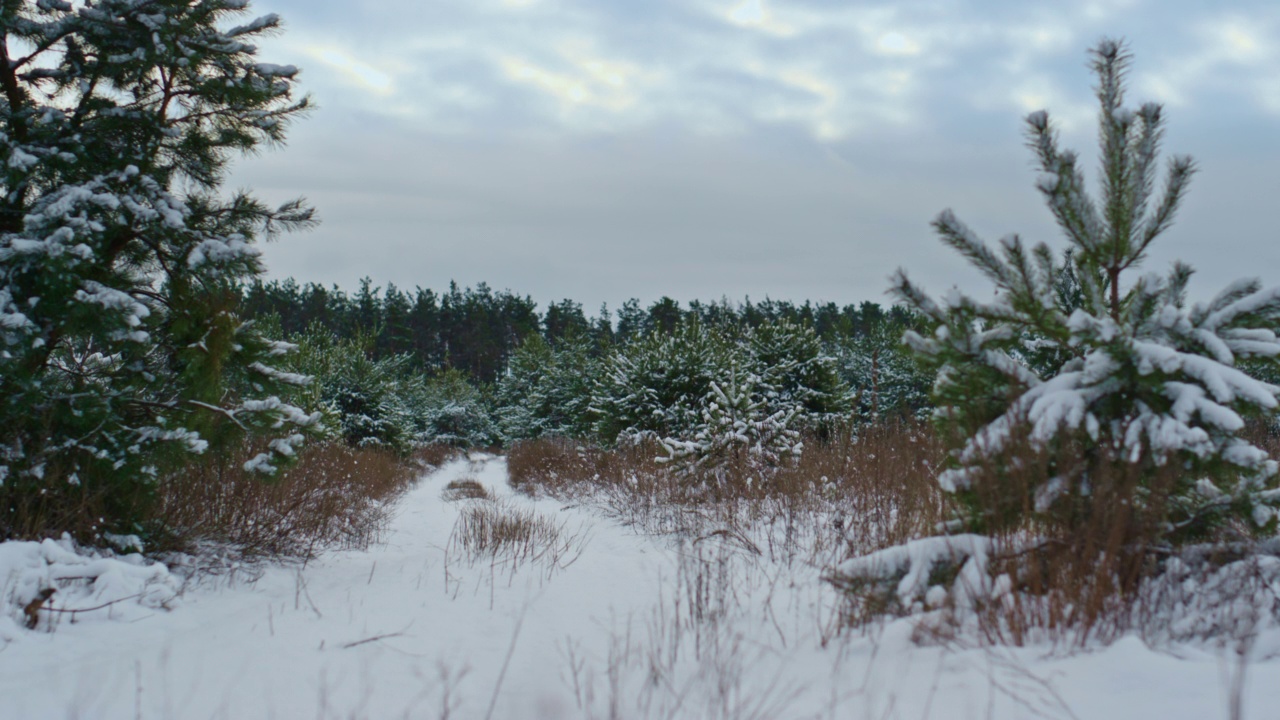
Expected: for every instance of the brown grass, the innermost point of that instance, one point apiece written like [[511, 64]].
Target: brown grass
[[431, 457], [493, 531], [1089, 567], [844, 494], [333, 495], [465, 489], [1077, 569]]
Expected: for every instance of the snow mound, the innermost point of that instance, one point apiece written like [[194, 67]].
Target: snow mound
[[912, 564], [88, 584]]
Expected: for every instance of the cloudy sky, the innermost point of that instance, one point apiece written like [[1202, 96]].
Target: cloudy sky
[[605, 149]]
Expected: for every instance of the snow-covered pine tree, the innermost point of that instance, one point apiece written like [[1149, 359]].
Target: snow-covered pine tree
[[547, 391], [121, 353], [1146, 376], [655, 385], [886, 379], [366, 401], [519, 393], [456, 413], [797, 376], [745, 433]]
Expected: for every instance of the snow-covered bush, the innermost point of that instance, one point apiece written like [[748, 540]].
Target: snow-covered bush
[[796, 375], [731, 403], [363, 399], [745, 433], [546, 390], [454, 412], [79, 584], [656, 385], [121, 352], [389, 402], [887, 380], [1128, 365]]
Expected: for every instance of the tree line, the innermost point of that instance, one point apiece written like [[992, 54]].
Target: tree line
[[476, 330]]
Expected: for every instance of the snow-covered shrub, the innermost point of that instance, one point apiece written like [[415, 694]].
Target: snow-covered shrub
[[122, 355], [390, 401], [367, 401], [656, 385], [87, 584], [796, 375], [725, 402], [454, 412], [741, 435], [1140, 371], [887, 380], [547, 390]]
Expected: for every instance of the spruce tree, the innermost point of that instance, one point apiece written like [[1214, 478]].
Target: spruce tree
[[122, 353], [1138, 373]]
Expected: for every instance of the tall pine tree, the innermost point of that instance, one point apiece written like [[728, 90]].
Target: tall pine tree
[[122, 353]]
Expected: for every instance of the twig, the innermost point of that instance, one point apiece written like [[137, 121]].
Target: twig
[[502, 674], [73, 611], [375, 638]]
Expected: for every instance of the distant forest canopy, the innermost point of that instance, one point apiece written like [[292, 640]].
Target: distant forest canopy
[[475, 329]]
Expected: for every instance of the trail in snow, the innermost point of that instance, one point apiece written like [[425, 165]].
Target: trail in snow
[[410, 629]]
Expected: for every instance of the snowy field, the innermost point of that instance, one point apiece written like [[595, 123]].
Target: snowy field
[[605, 624]]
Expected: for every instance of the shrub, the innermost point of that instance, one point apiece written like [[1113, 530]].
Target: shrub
[[333, 495]]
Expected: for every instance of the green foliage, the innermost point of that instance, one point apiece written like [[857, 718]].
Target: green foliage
[[389, 401], [656, 385], [1080, 354], [456, 412], [796, 374], [720, 400], [887, 380], [122, 352], [547, 391]]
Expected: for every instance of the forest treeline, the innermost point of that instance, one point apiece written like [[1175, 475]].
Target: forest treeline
[[475, 330], [478, 367]]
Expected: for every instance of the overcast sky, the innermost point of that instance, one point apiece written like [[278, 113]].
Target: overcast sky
[[604, 149]]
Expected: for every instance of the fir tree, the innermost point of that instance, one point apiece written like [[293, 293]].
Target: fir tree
[[1144, 375]]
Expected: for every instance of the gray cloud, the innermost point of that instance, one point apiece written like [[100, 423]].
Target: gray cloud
[[605, 150]]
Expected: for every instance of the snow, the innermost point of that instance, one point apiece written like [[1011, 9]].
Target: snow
[[412, 626], [90, 586]]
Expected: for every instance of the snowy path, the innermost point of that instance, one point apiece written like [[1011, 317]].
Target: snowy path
[[405, 629]]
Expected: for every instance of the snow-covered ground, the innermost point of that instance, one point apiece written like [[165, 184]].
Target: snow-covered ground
[[618, 625]]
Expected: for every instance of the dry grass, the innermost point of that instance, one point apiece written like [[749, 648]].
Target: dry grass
[[1090, 568], [844, 495], [333, 495], [493, 531], [431, 457], [465, 489]]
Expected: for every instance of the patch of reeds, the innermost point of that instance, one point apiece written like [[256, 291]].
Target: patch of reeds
[[465, 489]]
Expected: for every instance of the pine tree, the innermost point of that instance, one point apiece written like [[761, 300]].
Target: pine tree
[[456, 413], [887, 380], [744, 435], [796, 375], [656, 385], [547, 391], [121, 349], [1145, 377]]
